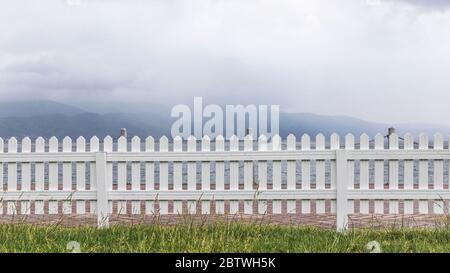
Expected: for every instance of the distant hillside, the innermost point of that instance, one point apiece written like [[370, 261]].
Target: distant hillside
[[46, 118], [36, 108]]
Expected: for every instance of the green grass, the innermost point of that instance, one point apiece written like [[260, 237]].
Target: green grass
[[231, 237]]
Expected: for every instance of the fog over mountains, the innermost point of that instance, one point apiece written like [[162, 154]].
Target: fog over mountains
[[48, 118]]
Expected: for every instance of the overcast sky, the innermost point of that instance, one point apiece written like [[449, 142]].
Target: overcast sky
[[380, 60]]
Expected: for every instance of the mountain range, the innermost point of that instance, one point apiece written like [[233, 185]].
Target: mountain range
[[49, 118]]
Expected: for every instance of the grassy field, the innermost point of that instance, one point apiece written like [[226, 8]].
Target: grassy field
[[232, 237]]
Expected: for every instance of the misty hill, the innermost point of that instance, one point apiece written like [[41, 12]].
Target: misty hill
[[56, 119], [24, 108]]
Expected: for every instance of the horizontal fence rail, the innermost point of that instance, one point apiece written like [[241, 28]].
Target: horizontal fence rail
[[384, 175]]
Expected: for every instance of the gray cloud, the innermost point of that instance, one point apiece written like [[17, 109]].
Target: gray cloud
[[430, 4], [385, 62]]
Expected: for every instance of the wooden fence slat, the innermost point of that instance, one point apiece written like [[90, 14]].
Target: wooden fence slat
[[53, 179], [192, 166], [39, 166], [335, 144], [379, 164], [305, 164], [135, 166], [150, 166], [408, 176], [262, 165], [438, 182], [234, 165], [220, 165], [122, 166], [108, 147], [177, 165], [81, 168], [12, 167], [67, 166], [248, 165], [276, 164], [26, 166], [423, 164], [206, 166], [291, 164]]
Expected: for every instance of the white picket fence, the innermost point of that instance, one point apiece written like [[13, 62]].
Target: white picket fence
[[47, 178]]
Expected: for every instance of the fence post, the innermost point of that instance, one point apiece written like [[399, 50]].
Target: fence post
[[102, 194], [341, 190]]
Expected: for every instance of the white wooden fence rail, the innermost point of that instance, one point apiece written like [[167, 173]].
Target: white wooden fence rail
[[48, 178]]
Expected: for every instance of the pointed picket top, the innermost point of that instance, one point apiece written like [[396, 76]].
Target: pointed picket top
[[67, 144], [2, 145], [306, 142], [177, 144], [122, 144], [234, 143], [438, 143], [423, 141], [81, 144], [408, 141], [349, 142], [335, 143], [135, 144], [364, 142], [206, 144], [40, 145], [149, 144], [393, 141], [26, 145], [276, 143], [53, 145], [248, 143], [108, 144], [262, 143], [291, 143], [12, 145], [379, 142], [220, 143], [192, 144], [320, 142], [163, 144], [94, 144]]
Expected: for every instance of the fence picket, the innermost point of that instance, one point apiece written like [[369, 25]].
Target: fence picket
[[150, 168], [220, 165], [335, 144], [12, 167], [379, 164], [262, 165], [67, 166], [177, 165], [122, 166], [135, 167], [438, 182], [276, 164], [53, 180], [39, 171], [305, 164], [192, 165], [163, 174], [206, 166], [248, 165], [291, 164], [26, 166], [234, 165], [408, 177]]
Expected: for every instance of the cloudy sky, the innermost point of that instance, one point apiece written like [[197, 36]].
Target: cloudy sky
[[380, 60]]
